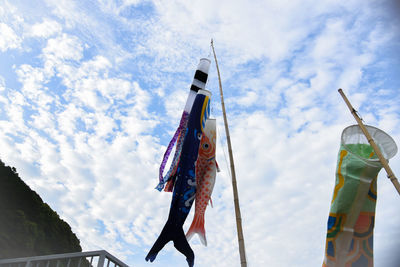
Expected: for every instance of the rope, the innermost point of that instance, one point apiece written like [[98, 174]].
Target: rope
[[223, 149]]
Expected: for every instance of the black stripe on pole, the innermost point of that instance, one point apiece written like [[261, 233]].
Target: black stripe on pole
[[195, 88], [201, 76]]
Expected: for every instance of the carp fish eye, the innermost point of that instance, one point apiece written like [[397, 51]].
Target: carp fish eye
[[206, 145], [199, 136]]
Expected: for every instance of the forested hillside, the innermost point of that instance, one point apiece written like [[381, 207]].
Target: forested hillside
[[28, 226]]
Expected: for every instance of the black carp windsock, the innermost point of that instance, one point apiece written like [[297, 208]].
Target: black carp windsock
[[185, 184], [199, 83]]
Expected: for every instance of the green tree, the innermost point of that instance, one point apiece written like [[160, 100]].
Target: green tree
[[28, 226]]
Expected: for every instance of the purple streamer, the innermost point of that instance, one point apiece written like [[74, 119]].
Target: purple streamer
[[181, 127], [177, 155]]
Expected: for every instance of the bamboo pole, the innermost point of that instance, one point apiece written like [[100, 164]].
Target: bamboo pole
[[242, 250], [378, 152]]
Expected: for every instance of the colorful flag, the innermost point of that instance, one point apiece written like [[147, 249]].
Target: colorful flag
[[185, 185], [349, 239], [199, 83]]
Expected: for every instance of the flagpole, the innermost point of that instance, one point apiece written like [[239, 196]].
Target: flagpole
[[378, 152], [242, 251]]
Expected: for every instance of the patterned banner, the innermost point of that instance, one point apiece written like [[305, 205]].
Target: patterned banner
[[199, 83], [349, 240]]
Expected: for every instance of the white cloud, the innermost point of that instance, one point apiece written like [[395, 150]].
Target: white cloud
[[8, 38], [64, 47], [45, 29], [32, 80], [2, 84]]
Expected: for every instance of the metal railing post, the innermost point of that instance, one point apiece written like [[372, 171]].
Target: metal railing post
[[102, 257]]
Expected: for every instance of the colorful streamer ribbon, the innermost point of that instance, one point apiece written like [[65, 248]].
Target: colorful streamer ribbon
[[178, 134]]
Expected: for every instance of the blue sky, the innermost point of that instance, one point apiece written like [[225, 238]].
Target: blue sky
[[91, 92]]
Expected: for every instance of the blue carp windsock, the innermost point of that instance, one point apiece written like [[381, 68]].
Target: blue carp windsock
[[206, 170], [199, 83], [185, 184], [349, 239]]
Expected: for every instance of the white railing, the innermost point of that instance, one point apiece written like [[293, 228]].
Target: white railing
[[100, 258]]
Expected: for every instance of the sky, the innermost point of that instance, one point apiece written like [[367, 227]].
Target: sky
[[91, 92]]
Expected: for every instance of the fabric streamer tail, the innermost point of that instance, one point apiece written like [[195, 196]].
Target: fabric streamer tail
[[197, 227], [169, 186], [177, 136], [172, 233], [171, 174]]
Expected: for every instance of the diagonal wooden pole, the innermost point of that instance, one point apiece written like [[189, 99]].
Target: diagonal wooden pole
[[242, 251], [378, 152]]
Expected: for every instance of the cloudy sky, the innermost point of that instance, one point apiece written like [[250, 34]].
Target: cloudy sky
[[92, 91]]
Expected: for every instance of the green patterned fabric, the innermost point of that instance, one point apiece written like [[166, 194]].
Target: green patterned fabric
[[349, 240]]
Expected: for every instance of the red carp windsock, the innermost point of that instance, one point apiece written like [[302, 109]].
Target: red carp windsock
[[349, 239], [199, 82], [206, 169]]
